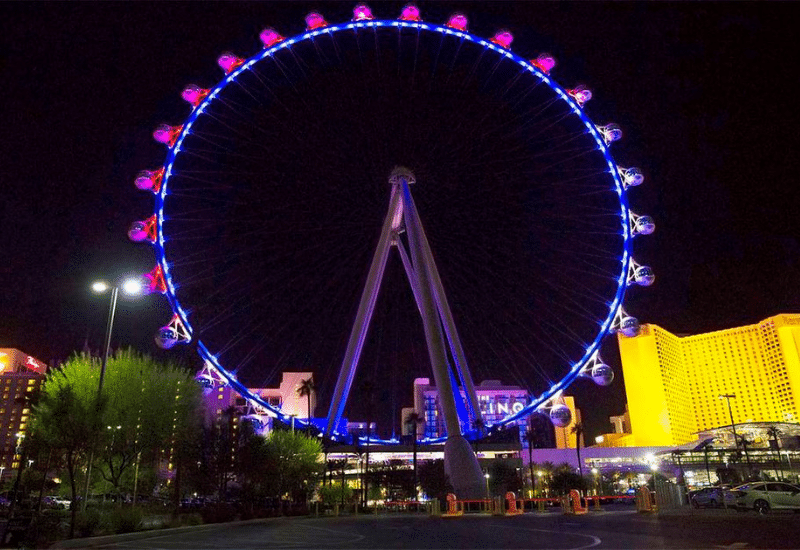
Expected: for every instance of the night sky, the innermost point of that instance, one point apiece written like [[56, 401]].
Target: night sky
[[703, 91]]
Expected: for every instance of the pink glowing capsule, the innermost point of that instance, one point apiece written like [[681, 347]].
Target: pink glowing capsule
[[229, 62], [194, 95], [315, 21], [458, 21], [167, 135], [143, 230], [545, 63], [269, 37], [410, 13], [154, 281], [150, 180], [362, 13], [503, 39], [581, 94]]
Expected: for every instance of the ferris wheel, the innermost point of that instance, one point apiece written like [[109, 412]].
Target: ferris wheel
[[272, 202]]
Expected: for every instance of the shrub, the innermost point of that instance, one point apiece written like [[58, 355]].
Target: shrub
[[126, 520], [86, 523]]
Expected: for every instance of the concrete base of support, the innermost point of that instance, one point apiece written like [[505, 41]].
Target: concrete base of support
[[461, 466]]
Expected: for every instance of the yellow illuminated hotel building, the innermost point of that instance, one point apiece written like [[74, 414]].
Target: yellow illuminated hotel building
[[674, 383]]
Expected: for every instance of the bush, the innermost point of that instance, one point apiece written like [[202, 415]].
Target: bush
[[126, 520], [218, 513], [86, 523]]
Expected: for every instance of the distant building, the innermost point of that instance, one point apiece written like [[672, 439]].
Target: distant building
[[674, 383], [20, 376], [565, 437], [496, 402], [221, 400]]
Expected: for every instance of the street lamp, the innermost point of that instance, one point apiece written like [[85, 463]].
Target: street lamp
[[727, 397], [130, 287], [486, 475]]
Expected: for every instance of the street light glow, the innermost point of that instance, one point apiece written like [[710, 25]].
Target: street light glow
[[99, 286], [132, 287]]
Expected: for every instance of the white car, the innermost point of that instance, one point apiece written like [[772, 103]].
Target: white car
[[763, 496]]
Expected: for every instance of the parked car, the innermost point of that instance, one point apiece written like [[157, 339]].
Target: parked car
[[763, 496], [712, 497], [57, 502]]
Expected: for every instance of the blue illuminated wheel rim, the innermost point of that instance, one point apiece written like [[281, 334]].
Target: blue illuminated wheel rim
[[188, 144]]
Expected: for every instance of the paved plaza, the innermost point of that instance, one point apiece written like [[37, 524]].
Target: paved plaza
[[614, 528]]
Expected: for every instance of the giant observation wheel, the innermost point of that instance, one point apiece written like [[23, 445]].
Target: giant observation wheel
[[272, 194]]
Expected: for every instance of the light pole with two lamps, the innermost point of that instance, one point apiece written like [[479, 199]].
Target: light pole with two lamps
[[130, 287]]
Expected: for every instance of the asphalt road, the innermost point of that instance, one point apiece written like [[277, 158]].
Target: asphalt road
[[605, 529]]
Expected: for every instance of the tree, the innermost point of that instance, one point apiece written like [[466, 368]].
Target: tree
[[565, 479], [146, 408], [503, 478], [306, 389], [529, 434], [433, 480], [413, 420], [297, 463], [66, 423], [577, 429]]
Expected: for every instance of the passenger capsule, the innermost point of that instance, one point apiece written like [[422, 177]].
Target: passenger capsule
[[315, 21], [144, 230], [602, 374], [150, 180], [629, 326], [503, 39], [362, 13], [545, 62], [229, 62], [206, 381], [166, 337], [269, 37], [167, 135], [611, 132], [580, 94], [644, 225], [560, 416], [458, 21], [194, 95], [631, 176], [410, 13], [644, 276]]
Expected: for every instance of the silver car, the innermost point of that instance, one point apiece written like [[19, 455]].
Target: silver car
[[763, 496]]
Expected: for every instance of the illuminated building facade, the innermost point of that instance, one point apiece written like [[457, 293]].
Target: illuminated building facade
[[674, 383], [495, 400], [20, 376], [222, 399]]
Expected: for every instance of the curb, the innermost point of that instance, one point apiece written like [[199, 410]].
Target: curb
[[91, 542]]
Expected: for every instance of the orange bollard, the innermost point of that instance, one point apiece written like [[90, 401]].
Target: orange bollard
[[453, 507], [511, 498], [577, 505]]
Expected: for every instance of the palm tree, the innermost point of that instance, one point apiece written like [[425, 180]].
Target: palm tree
[[577, 429], [529, 433], [413, 420], [479, 425], [368, 391], [307, 388]]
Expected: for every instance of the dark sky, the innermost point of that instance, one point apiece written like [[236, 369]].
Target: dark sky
[[703, 91]]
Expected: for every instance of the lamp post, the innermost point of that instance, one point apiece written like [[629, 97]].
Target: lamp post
[[131, 287], [486, 475], [727, 397]]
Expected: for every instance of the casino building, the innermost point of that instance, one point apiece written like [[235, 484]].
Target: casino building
[[675, 384], [20, 376]]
